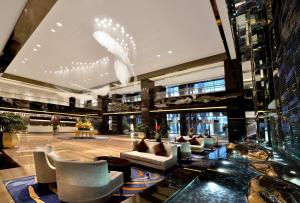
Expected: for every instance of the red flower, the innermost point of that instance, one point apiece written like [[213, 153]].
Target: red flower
[[157, 128]]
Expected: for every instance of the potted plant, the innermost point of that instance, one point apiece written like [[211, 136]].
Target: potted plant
[[142, 130], [96, 124], [125, 126], [164, 129], [9, 125], [157, 133]]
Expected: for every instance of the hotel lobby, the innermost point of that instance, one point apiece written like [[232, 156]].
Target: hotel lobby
[[149, 101]]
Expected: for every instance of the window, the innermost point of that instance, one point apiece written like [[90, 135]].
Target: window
[[172, 91], [214, 122], [174, 123], [208, 86]]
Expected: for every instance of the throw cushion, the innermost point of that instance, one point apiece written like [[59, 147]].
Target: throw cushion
[[142, 146], [159, 149], [135, 146], [200, 136], [194, 141], [181, 139]]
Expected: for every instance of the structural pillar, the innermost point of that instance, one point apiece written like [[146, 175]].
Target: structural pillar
[[103, 119], [235, 100], [147, 103]]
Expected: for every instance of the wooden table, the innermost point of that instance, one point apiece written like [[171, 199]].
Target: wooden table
[[117, 164], [84, 133]]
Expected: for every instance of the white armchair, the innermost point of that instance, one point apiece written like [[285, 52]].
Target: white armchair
[[45, 171], [86, 181]]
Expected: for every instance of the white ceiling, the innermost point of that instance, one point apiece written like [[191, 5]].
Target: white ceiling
[[188, 29], [10, 10]]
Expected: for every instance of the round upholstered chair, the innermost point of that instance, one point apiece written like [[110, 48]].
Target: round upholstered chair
[[185, 150]]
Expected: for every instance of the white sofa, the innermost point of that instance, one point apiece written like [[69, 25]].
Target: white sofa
[[151, 160]]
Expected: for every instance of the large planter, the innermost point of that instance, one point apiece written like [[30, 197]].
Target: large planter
[[141, 135], [9, 140]]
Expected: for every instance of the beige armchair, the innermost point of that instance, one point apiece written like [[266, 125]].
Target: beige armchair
[[86, 181], [45, 171]]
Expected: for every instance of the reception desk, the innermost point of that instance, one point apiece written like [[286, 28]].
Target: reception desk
[[49, 129]]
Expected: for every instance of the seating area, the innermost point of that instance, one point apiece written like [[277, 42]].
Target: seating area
[[151, 157], [145, 101]]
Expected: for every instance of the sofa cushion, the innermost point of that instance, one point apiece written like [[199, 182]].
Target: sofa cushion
[[194, 141], [131, 155], [153, 159], [142, 146], [159, 149], [181, 139]]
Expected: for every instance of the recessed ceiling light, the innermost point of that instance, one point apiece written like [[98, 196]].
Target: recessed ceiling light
[[170, 52], [52, 30], [23, 62], [38, 45], [96, 20], [106, 73], [25, 59], [58, 24], [158, 55], [34, 49]]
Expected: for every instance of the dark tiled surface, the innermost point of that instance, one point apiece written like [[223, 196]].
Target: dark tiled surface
[[6, 162], [218, 177]]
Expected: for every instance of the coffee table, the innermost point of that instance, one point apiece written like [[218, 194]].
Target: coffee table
[[117, 164]]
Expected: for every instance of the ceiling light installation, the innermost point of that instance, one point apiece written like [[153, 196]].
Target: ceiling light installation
[[80, 70], [120, 44]]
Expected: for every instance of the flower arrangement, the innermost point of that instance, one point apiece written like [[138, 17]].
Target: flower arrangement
[[84, 124]]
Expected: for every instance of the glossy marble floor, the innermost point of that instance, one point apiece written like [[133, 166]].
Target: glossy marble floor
[[67, 149]]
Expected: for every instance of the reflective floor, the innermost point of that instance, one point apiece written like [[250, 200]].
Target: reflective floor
[[6, 162], [228, 176]]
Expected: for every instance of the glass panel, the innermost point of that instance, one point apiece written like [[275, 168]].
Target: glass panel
[[173, 123]]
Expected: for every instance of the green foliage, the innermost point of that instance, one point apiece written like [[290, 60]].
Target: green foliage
[[96, 124], [142, 128], [10, 122], [164, 128], [125, 124]]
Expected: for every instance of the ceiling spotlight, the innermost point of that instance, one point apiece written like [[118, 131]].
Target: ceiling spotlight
[[106, 73], [158, 55], [96, 20], [58, 24], [34, 49], [25, 59], [52, 30], [170, 52], [23, 62], [38, 45]]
